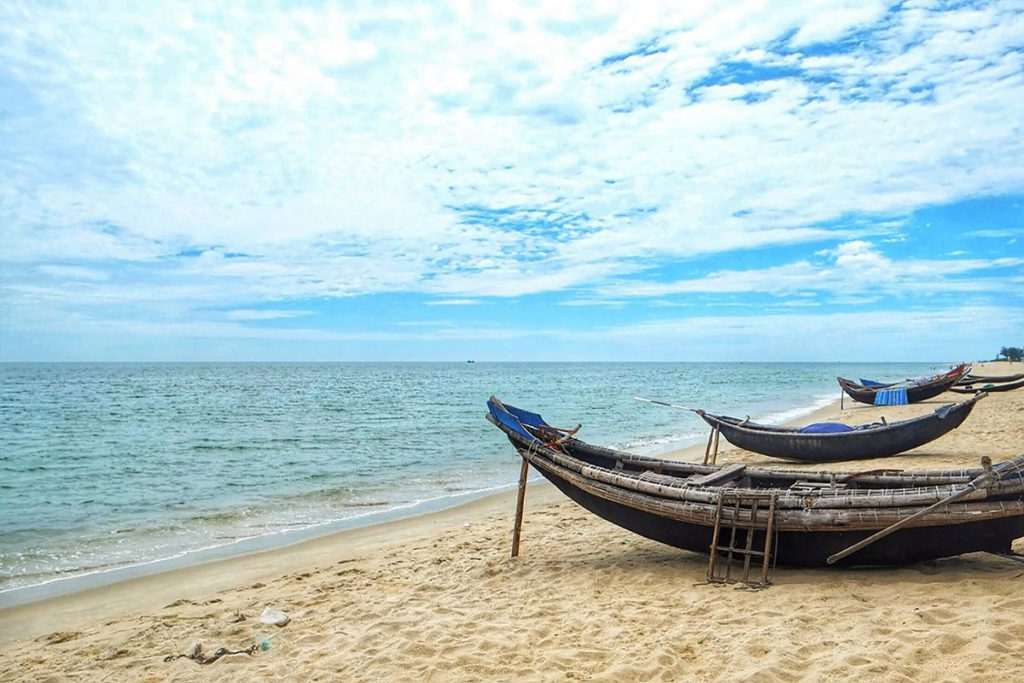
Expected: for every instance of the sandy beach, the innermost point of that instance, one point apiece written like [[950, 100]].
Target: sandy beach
[[437, 598]]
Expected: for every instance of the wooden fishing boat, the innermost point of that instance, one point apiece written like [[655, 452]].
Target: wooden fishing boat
[[833, 442], [991, 379], [981, 386], [902, 393], [877, 517]]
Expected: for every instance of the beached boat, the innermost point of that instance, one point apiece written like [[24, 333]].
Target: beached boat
[[901, 393], [835, 442], [990, 379], [876, 517], [827, 442], [987, 386]]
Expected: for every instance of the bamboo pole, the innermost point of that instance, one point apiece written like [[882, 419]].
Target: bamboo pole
[[707, 449], [520, 501], [983, 480], [667, 405]]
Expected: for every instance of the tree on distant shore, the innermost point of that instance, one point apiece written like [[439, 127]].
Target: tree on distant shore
[[1011, 353]]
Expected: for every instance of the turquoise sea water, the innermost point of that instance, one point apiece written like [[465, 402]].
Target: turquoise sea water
[[108, 466]]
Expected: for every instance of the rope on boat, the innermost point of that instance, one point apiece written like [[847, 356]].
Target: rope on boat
[[552, 437], [555, 436]]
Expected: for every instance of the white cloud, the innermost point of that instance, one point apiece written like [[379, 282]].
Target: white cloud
[[851, 270], [453, 302], [264, 314], [943, 334], [828, 21], [73, 272], [472, 150]]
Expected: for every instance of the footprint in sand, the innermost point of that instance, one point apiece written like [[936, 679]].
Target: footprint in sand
[[936, 616]]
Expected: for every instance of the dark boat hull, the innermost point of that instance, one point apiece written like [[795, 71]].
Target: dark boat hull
[[987, 387], [815, 515], [859, 444], [915, 393], [991, 379], [812, 548]]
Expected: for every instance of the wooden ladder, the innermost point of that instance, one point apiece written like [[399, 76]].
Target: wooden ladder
[[741, 514]]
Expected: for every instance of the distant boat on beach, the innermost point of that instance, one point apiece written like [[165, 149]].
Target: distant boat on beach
[[835, 442], [902, 393]]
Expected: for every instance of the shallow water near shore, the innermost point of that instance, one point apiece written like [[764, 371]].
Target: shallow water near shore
[[113, 466]]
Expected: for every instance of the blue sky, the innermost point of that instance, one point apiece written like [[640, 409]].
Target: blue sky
[[753, 181]]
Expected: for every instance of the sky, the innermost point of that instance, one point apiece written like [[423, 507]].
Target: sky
[[553, 181]]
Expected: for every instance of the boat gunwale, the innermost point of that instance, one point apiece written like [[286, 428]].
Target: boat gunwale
[[754, 428], [812, 519]]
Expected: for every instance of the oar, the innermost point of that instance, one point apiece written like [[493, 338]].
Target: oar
[[669, 405], [983, 480], [712, 437]]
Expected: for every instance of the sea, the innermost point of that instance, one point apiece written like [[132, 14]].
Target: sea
[[112, 470]]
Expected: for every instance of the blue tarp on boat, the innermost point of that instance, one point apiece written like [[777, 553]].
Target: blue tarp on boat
[[826, 428], [891, 397]]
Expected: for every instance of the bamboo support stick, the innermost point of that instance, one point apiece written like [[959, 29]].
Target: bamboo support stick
[[707, 449], [714, 454], [520, 501]]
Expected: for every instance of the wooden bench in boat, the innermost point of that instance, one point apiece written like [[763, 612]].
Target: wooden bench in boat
[[817, 485], [669, 480]]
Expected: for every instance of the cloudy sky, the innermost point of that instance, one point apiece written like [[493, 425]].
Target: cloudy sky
[[818, 180]]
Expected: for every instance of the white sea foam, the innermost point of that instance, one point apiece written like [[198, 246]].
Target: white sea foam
[[784, 416], [660, 444], [278, 537]]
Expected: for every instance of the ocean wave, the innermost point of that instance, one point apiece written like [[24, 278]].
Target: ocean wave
[[784, 416], [656, 443], [281, 530]]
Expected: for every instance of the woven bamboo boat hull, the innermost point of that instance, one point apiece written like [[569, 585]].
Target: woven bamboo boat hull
[[860, 444], [817, 514], [797, 548]]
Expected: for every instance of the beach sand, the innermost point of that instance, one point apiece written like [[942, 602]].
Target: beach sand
[[437, 598]]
